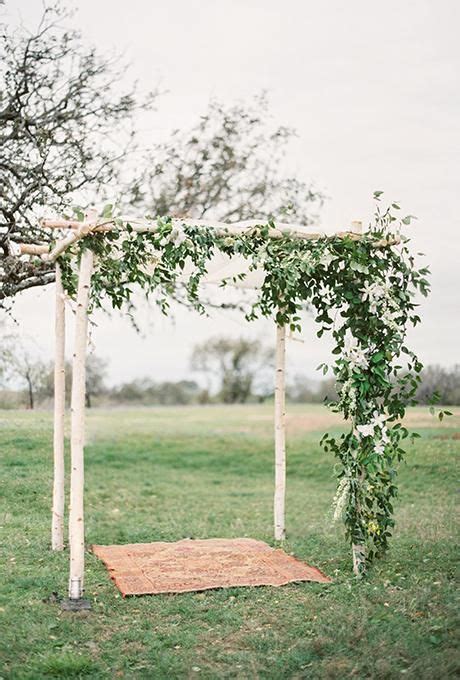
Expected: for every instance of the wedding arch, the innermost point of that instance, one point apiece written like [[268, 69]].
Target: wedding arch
[[361, 286]]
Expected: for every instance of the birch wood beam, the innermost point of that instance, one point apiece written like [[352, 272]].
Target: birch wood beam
[[57, 522], [359, 560], [80, 229], [280, 434], [66, 242], [60, 224], [61, 246], [222, 228], [84, 228], [234, 228], [18, 249], [77, 439], [32, 249], [358, 550]]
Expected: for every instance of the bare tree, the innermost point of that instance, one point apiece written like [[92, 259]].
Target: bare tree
[[305, 391], [19, 365], [65, 134], [227, 166], [440, 381], [237, 364], [96, 373]]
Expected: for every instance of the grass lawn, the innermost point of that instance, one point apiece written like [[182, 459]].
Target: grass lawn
[[168, 473]]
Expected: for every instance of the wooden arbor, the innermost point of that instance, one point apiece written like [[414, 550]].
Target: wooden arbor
[[71, 232]]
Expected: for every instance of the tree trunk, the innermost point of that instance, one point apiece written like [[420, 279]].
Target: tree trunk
[[77, 439], [358, 550], [280, 434], [30, 391], [359, 559], [57, 523]]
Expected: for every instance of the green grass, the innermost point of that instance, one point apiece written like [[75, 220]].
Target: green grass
[[164, 474]]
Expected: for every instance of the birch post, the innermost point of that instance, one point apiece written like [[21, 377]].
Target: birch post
[[358, 550], [280, 434], [77, 438], [57, 522], [359, 559]]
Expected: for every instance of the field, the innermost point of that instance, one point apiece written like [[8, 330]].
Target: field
[[168, 473]]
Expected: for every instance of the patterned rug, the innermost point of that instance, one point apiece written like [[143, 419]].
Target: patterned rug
[[191, 565]]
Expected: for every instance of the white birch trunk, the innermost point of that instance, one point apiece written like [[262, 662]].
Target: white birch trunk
[[359, 559], [358, 550], [280, 434], [77, 439], [57, 522]]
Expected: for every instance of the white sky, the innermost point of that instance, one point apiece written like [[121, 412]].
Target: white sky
[[373, 91]]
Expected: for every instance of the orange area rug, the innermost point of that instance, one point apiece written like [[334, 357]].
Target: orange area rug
[[191, 565]]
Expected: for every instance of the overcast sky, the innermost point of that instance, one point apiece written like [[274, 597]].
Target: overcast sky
[[373, 90]]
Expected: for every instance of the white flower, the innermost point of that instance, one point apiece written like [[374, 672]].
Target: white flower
[[379, 448], [177, 236], [374, 291], [340, 498], [355, 354], [366, 430], [350, 343], [326, 259], [377, 294], [380, 300], [348, 395], [379, 419], [389, 318], [307, 262]]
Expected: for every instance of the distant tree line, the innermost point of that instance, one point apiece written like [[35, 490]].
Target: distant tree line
[[149, 393], [443, 381], [235, 371]]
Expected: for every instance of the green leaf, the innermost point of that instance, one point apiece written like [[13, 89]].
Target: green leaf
[[107, 212], [80, 215]]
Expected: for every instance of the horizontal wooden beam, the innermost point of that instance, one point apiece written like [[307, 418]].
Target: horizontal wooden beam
[[138, 225], [78, 230], [32, 249]]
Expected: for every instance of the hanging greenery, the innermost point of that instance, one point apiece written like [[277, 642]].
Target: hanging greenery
[[362, 290]]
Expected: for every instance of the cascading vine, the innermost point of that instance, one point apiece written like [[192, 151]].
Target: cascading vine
[[362, 291]]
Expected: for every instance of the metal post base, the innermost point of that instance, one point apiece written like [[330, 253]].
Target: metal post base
[[79, 605]]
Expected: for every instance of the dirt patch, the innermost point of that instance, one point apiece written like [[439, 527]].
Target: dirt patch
[[312, 422], [453, 435]]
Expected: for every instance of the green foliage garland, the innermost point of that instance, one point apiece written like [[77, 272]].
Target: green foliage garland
[[363, 293]]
